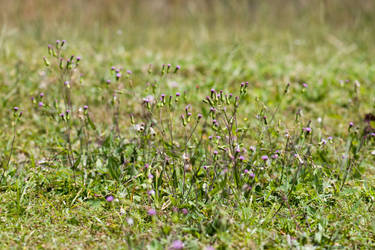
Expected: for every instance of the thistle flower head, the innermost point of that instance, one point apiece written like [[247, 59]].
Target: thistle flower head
[[151, 212], [264, 157], [109, 198], [177, 244]]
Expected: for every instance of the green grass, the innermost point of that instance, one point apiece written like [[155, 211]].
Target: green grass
[[324, 202]]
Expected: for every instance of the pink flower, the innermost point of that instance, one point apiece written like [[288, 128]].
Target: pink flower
[[151, 212], [177, 244]]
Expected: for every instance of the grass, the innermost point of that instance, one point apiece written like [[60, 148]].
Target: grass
[[59, 173]]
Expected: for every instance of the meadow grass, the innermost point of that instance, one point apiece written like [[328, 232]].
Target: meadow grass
[[260, 133]]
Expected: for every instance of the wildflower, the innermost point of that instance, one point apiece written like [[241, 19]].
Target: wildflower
[[323, 142], [151, 192], [246, 171], [147, 165], [305, 85], [209, 248], [150, 176], [264, 157], [108, 81], [178, 94], [15, 109], [275, 156], [177, 244], [152, 131], [40, 104], [130, 221], [252, 175], [307, 130], [252, 148], [178, 67], [41, 95], [151, 212], [118, 76], [242, 158], [184, 211], [85, 107], [200, 116], [129, 72], [351, 124], [109, 198]]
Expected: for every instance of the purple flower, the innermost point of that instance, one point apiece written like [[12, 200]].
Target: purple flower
[[252, 175], [246, 171], [307, 129], [41, 94], [264, 157], [109, 198], [305, 85], [150, 176], [118, 75], [40, 104], [215, 152], [85, 107], [373, 134], [200, 116], [178, 94], [78, 58], [15, 109], [147, 165], [351, 124], [242, 158], [184, 211], [209, 248], [275, 156], [66, 83], [151, 212], [108, 81], [129, 72], [151, 192], [252, 148], [177, 244]]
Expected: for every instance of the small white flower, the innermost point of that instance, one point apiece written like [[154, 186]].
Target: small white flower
[[130, 221], [185, 157]]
